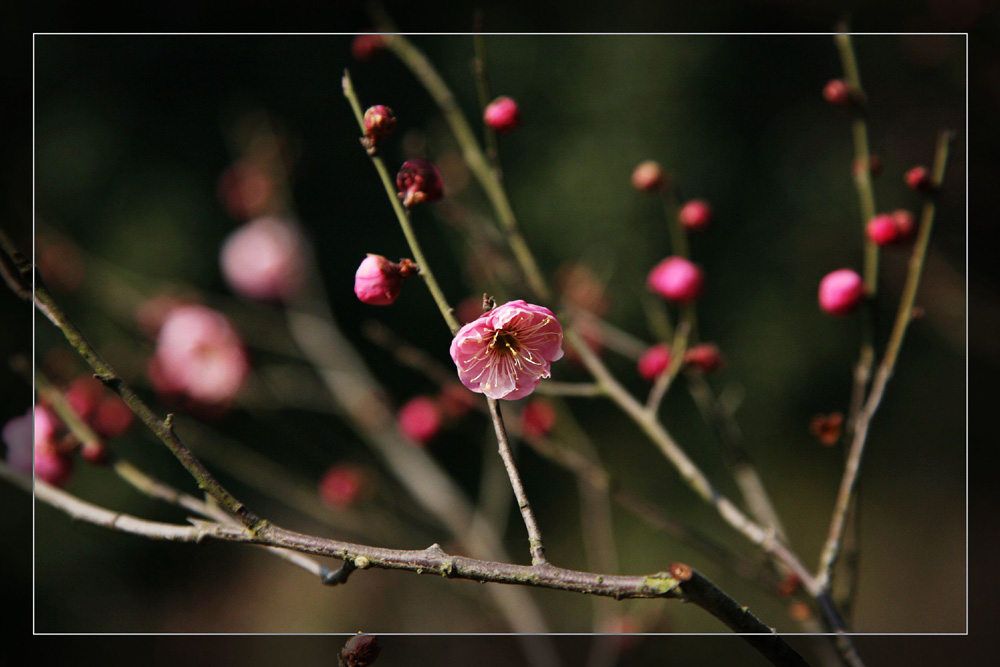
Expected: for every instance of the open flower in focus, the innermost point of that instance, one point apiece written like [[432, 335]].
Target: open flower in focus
[[508, 350], [199, 355], [264, 260]]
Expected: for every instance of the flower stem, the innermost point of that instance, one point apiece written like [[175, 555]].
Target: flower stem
[[403, 216]]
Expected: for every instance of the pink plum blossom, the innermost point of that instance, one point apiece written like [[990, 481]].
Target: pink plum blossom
[[882, 230], [31, 441], [343, 484], [538, 418], [695, 215], [264, 260], [200, 355], [508, 350]]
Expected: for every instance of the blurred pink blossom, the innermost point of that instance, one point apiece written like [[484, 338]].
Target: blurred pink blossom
[[654, 361], [676, 279], [17, 435], [508, 350], [200, 355], [264, 260]]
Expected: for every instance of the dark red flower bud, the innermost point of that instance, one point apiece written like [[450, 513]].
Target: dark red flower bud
[[837, 92], [366, 47], [359, 651], [379, 124], [419, 181]]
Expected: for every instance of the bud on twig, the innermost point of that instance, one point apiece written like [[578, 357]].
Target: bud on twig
[[359, 651]]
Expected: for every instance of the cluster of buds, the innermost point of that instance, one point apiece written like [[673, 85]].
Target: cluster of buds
[[888, 228], [702, 358]]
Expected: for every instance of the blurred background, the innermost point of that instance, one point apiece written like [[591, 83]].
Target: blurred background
[[134, 136]]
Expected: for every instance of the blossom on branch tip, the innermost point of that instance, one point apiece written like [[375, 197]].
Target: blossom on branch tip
[[676, 279], [378, 281], [419, 181], [502, 115], [840, 292], [507, 351]]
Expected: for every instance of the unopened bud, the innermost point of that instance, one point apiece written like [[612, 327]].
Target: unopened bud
[[378, 281], [502, 115], [704, 357], [837, 92], [676, 279], [359, 651], [695, 215], [840, 292], [649, 176], [379, 123], [419, 181], [919, 179]]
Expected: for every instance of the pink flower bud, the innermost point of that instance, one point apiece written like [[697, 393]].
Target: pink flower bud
[[53, 466], [502, 115], [46, 425], [420, 419], [695, 215], [378, 281], [649, 176], [112, 417], [704, 357], [837, 92], [906, 224], [366, 47], [676, 279], [919, 179], [343, 485], [379, 124], [419, 181], [538, 418], [882, 230], [840, 292], [654, 361], [264, 259]]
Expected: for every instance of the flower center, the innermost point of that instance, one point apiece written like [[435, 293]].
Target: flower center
[[505, 340]]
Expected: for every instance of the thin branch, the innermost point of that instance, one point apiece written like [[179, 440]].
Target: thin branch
[[904, 315], [107, 374], [422, 68], [534, 534]]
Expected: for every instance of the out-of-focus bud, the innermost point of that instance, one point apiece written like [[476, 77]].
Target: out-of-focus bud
[[704, 357], [112, 417], [419, 181], [837, 92], [538, 418], [366, 47], [827, 428], [906, 224], [420, 419], [676, 279], [245, 190], [649, 176], [919, 179], [502, 115], [882, 230], [695, 215], [654, 361], [840, 292], [343, 485]]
